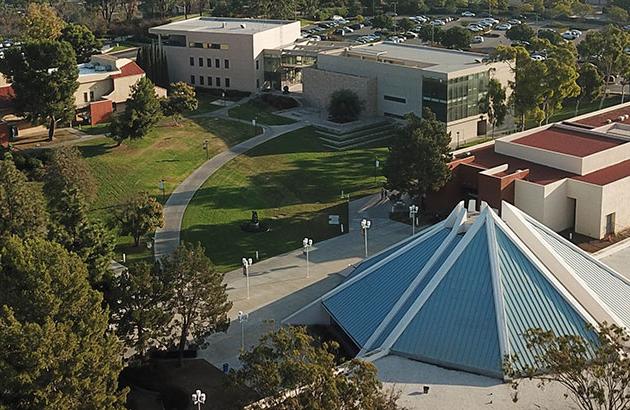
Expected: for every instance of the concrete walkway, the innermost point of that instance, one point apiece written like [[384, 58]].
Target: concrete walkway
[[167, 238], [279, 286]]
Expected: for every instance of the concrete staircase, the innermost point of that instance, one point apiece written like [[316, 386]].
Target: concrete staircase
[[379, 132]]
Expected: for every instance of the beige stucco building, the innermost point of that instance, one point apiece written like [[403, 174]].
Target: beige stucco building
[[571, 176], [397, 79], [222, 53]]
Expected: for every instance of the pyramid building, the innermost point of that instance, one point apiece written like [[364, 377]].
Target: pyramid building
[[461, 293]]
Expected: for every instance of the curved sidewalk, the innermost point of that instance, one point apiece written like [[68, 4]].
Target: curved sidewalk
[[167, 238]]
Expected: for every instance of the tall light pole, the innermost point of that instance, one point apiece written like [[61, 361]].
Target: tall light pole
[[242, 318], [246, 264], [163, 189], [307, 244], [365, 225], [205, 147], [413, 210], [198, 398]]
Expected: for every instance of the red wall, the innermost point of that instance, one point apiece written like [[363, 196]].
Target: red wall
[[100, 111]]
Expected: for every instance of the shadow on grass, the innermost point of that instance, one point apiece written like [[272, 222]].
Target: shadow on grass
[[96, 149]]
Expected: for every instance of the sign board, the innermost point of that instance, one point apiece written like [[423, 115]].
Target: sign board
[[162, 185], [333, 219], [377, 163]]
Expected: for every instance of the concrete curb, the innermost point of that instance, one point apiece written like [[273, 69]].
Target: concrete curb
[[612, 249]]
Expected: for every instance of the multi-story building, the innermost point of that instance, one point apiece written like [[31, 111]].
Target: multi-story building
[[397, 79], [571, 176], [222, 53]]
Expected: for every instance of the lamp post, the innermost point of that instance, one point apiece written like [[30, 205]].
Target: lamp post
[[163, 189], [242, 318], [413, 210], [307, 243], [365, 225], [199, 398], [205, 148], [246, 264]]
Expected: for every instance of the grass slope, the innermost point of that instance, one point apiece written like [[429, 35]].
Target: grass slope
[[260, 111], [293, 182]]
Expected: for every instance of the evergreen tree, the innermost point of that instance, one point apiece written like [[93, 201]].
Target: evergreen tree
[[181, 98], [494, 103], [152, 59], [67, 169], [141, 113], [418, 157], [200, 303], [82, 40], [55, 348], [22, 205], [139, 216]]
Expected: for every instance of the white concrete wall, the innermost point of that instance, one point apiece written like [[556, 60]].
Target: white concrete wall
[[539, 156], [548, 204], [605, 158], [99, 88], [588, 208], [616, 198], [276, 38], [122, 88], [530, 198]]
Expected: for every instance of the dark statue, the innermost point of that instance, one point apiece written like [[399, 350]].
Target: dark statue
[[254, 224]]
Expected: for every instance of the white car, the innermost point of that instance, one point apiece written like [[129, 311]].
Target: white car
[[491, 20], [515, 22], [468, 14], [538, 57], [503, 26], [477, 40], [485, 24], [569, 35], [396, 39], [576, 32], [410, 34], [438, 23], [474, 28]]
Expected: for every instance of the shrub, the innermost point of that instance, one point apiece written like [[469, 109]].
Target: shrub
[[345, 106]]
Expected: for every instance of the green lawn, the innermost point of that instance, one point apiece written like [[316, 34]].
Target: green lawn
[[97, 129], [169, 152], [260, 111], [293, 182]]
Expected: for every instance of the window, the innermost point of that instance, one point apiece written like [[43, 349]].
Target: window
[[201, 80], [226, 63], [227, 83], [217, 81], [215, 46], [257, 65], [85, 97], [209, 81], [200, 62], [217, 63], [192, 61], [192, 79], [395, 99], [91, 95], [195, 45], [209, 62]]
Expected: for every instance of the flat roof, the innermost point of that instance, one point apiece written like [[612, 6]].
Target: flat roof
[[438, 59], [570, 142], [607, 175], [221, 25], [603, 118]]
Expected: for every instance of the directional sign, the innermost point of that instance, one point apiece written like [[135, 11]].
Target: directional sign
[[333, 219]]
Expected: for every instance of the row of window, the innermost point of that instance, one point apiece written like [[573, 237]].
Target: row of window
[[217, 62], [395, 99], [215, 46], [91, 97], [209, 83]]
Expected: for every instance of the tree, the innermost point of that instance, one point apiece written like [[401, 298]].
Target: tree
[[139, 296], [559, 83], [55, 347], [344, 106], [152, 59], [22, 206], [181, 98], [291, 360], [106, 8], [552, 36], [494, 103], [605, 49], [617, 14], [591, 84], [44, 77], [431, 33], [90, 240], [383, 22], [67, 169], [82, 40], [418, 157], [405, 24], [595, 371], [41, 22], [200, 303], [141, 113], [520, 32], [456, 37], [139, 216]]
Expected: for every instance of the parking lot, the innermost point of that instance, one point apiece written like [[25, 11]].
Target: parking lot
[[343, 31]]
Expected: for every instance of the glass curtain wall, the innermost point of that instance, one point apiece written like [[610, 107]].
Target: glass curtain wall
[[456, 98]]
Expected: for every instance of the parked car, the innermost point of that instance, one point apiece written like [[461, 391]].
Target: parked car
[[503, 26], [568, 35], [357, 26], [538, 57], [477, 40], [396, 39], [410, 34], [314, 37], [515, 22], [474, 28], [491, 20], [438, 23], [348, 30], [468, 14]]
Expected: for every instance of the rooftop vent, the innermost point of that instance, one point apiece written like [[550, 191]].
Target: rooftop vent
[[608, 121], [223, 25]]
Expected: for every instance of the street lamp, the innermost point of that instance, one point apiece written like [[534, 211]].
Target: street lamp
[[246, 264], [365, 225], [308, 244], [242, 318], [199, 398], [163, 189], [205, 147], [413, 210]]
